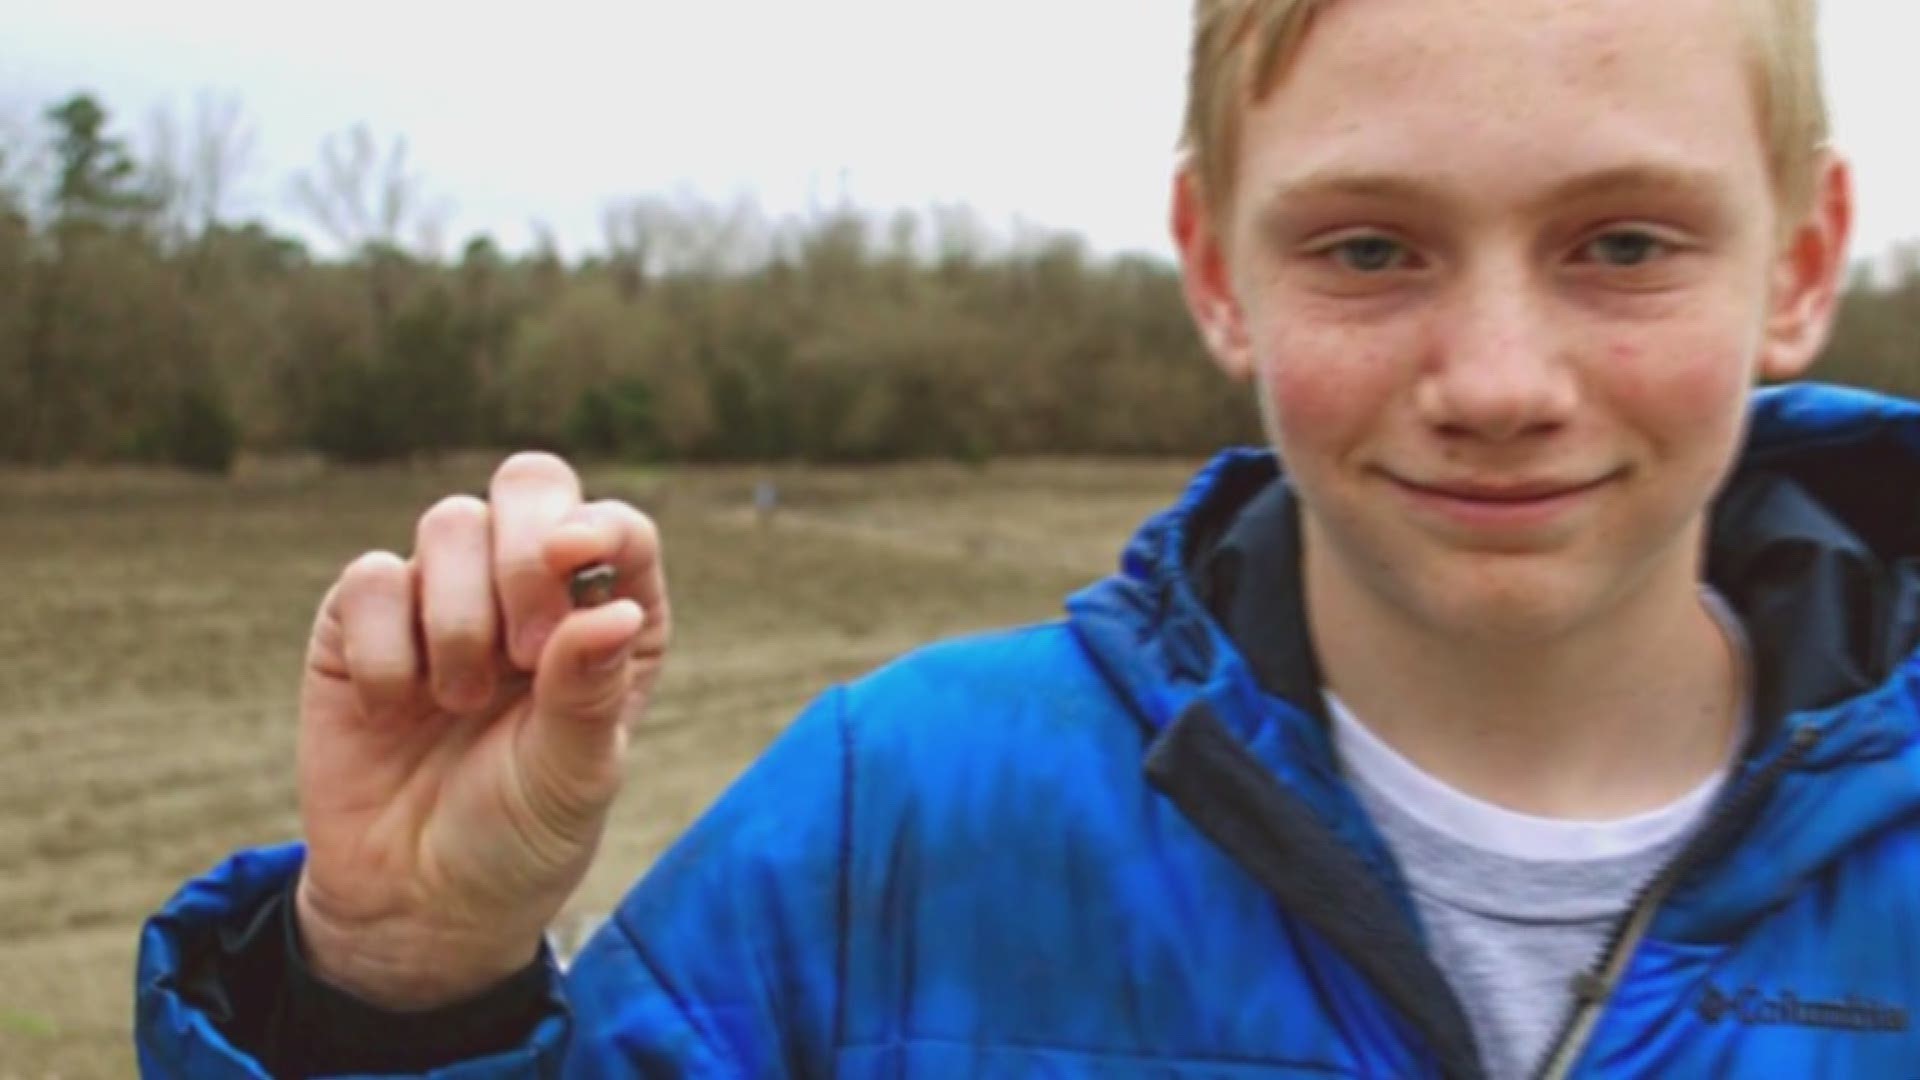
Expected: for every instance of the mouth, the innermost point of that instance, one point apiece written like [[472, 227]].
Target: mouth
[[1503, 504], [1517, 493]]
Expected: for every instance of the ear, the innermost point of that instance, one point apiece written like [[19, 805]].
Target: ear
[[1205, 277], [1808, 274]]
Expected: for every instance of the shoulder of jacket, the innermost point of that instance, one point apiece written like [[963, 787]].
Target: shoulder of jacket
[[988, 691], [976, 667]]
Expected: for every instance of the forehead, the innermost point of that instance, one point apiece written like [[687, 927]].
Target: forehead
[[1497, 94]]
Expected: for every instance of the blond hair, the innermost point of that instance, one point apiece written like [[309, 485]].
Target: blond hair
[[1242, 47]]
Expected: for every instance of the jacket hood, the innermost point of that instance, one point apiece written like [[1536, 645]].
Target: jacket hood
[[1814, 540]]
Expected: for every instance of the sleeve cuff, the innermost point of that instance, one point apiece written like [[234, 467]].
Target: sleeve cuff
[[341, 1033]]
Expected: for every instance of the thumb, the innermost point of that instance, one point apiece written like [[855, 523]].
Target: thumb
[[580, 692]]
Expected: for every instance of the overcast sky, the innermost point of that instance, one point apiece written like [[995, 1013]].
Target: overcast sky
[[1060, 113]]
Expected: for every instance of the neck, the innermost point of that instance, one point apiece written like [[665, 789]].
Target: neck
[[1625, 713]]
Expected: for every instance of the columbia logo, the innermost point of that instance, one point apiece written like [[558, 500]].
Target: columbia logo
[[1757, 1008]]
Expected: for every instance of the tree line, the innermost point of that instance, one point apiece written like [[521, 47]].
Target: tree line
[[141, 320]]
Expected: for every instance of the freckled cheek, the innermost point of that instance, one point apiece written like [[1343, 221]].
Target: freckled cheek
[[1680, 387], [1320, 388]]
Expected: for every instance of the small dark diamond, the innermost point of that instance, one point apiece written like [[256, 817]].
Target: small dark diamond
[[593, 586]]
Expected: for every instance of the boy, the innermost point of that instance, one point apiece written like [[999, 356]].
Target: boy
[[1550, 713]]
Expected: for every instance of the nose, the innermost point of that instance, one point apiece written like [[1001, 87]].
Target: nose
[[1497, 368]]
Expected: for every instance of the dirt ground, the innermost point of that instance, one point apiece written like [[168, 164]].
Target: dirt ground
[[151, 629]]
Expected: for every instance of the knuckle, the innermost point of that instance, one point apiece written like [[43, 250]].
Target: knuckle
[[452, 515], [387, 672], [634, 525], [520, 567], [533, 467], [458, 635], [372, 570], [381, 669], [646, 532]]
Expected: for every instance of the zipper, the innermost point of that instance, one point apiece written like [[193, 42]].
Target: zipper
[[1313, 875], [1594, 987]]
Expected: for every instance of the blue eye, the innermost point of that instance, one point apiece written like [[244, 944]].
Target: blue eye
[[1368, 254], [1626, 248]]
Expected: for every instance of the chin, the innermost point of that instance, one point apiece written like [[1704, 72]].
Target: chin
[[1506, 604], [1452, 593]]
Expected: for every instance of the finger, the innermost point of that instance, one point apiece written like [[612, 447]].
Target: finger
[[580, 694], [531, 495], [612, 532], [458, 614], [577, 543], [376, 610]]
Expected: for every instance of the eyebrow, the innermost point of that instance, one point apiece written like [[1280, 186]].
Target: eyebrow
[[1646, 178], [1642, 179]]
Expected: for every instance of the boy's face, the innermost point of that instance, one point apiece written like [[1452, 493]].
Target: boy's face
[[1505, 272]]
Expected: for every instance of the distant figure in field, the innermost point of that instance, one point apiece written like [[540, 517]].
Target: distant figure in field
[[766, 500]]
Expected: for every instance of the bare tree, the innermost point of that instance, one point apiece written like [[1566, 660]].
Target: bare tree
[[636, 232], [549, 266], [194, 169], [361, 197], [651, 237], [24, 163], [13, 152], [960, 241]]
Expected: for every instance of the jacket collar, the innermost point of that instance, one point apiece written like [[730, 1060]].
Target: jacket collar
[[1807, 544]]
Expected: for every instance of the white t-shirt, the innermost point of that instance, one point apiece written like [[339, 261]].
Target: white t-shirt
[[1514, 906]]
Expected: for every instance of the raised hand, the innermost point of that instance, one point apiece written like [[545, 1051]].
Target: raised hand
[[462, 730]]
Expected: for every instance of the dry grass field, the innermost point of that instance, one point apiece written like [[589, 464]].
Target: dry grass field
[[151, 629]]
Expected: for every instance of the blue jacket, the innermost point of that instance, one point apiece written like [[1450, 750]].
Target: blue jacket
[[1102, 846]]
